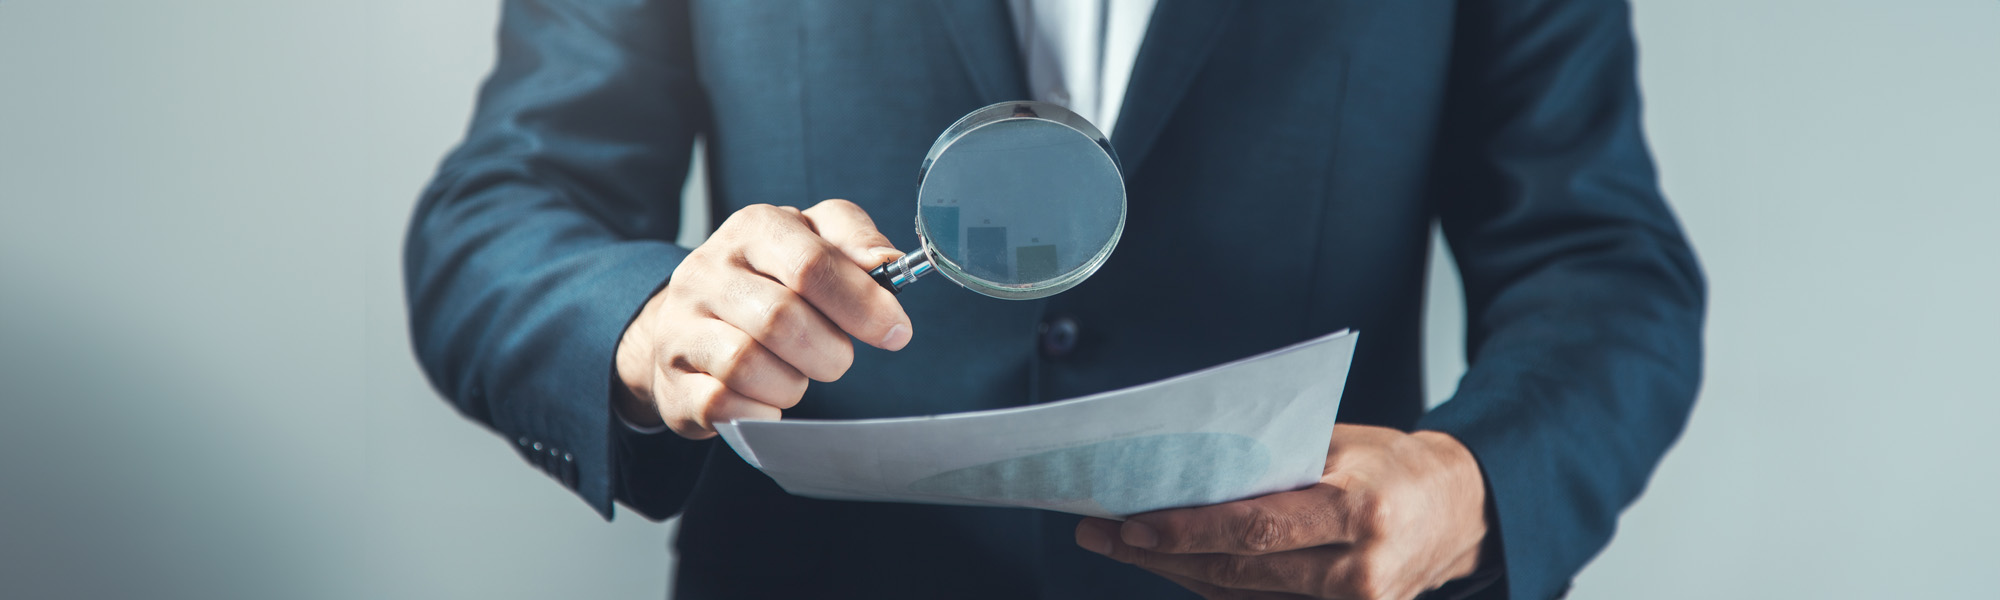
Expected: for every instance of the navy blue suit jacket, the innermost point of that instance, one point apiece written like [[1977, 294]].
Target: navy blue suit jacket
[[1286, 162]]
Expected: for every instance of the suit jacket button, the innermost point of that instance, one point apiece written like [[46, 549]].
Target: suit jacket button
[[1059, 337]]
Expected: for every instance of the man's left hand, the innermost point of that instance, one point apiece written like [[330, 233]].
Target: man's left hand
[[1394, 515]]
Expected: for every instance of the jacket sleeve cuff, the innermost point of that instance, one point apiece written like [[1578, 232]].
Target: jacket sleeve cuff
[[573, 436], [652, 469], [1510, 529]]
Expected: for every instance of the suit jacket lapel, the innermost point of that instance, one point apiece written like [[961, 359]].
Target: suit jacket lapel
[[983, 31], [1177, 43]]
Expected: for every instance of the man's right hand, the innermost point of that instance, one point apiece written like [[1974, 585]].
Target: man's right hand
[[764, 304]]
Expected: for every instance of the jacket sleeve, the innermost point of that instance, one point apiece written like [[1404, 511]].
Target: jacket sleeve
[[1583, 298], [546, 230]]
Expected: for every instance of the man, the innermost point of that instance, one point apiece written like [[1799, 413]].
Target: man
[[1285, 163]]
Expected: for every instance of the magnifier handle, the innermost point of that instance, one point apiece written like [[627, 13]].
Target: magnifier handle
[[895, 274]]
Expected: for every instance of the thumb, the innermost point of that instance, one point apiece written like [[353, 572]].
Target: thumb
[[849, 229]]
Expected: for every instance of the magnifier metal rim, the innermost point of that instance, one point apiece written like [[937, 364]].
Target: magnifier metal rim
[[1004, 112]]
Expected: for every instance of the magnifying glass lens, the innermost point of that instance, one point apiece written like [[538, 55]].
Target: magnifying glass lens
[[1018, 200], [1020, 204]]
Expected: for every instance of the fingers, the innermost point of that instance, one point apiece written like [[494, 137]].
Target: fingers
[[698, 401], [759, 309], [744, 366], [717, 373], [849, 228], [1315, 516], [834, 283], [784, 324], [1318, 571]]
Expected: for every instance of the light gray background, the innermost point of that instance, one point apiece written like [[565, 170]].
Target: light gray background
[[206, 390]]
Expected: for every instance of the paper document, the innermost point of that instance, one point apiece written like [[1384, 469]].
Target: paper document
[[1240, 430]]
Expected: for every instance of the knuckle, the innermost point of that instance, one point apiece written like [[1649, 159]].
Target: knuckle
[[787, 323], [685, 411], [1262, 529], [713, 407], [744, 356], [744, 217], [867, 238], [704, 399], [759, 219], [812, 268], [781, 319], [1363, 514], [666, 360], [692, 270], [733, 361], [703, 274], [1376, 517], [674, 353]]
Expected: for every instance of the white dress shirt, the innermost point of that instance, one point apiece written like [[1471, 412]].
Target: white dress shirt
[[1079, 53]]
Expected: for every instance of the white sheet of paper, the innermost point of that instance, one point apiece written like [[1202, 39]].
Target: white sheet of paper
[[1252, 427]]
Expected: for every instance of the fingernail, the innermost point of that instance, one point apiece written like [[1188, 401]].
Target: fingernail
[[1138, 535], [1093, 539], [886, 253], [898, 336]]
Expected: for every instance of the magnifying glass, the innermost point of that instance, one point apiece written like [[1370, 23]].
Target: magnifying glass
[[1018, 200]]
